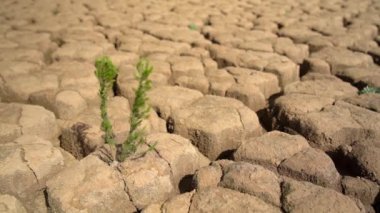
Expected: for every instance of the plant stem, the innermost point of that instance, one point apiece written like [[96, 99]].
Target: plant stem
[[106, 73], [140, 111]]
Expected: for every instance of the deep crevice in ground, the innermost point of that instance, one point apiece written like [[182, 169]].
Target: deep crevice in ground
[[186, 184]]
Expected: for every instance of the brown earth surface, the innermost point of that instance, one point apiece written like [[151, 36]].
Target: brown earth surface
[[255, 106]]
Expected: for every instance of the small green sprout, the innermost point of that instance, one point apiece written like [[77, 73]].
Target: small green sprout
[[369, 89], [140, 111], [106, 73], [193, 26]]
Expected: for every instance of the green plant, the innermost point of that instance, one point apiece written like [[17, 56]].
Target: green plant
[[140, 111], [193, 26], [106, 73], [369, 89]]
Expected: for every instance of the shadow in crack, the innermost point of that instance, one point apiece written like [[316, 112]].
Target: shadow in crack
[[186, 184], [344, 165], [226, 155]]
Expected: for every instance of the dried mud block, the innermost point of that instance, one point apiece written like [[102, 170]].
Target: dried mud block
[[215, 124]]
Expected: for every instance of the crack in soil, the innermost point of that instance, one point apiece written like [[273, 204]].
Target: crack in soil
[[22, 155], [126, 190], [191, 201], [159, 155], [46, 196], [240, 117]]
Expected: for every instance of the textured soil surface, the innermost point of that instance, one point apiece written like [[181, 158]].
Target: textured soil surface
[[255, 106]]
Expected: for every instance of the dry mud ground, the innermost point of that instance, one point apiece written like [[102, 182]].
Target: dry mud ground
[[256, 105]]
